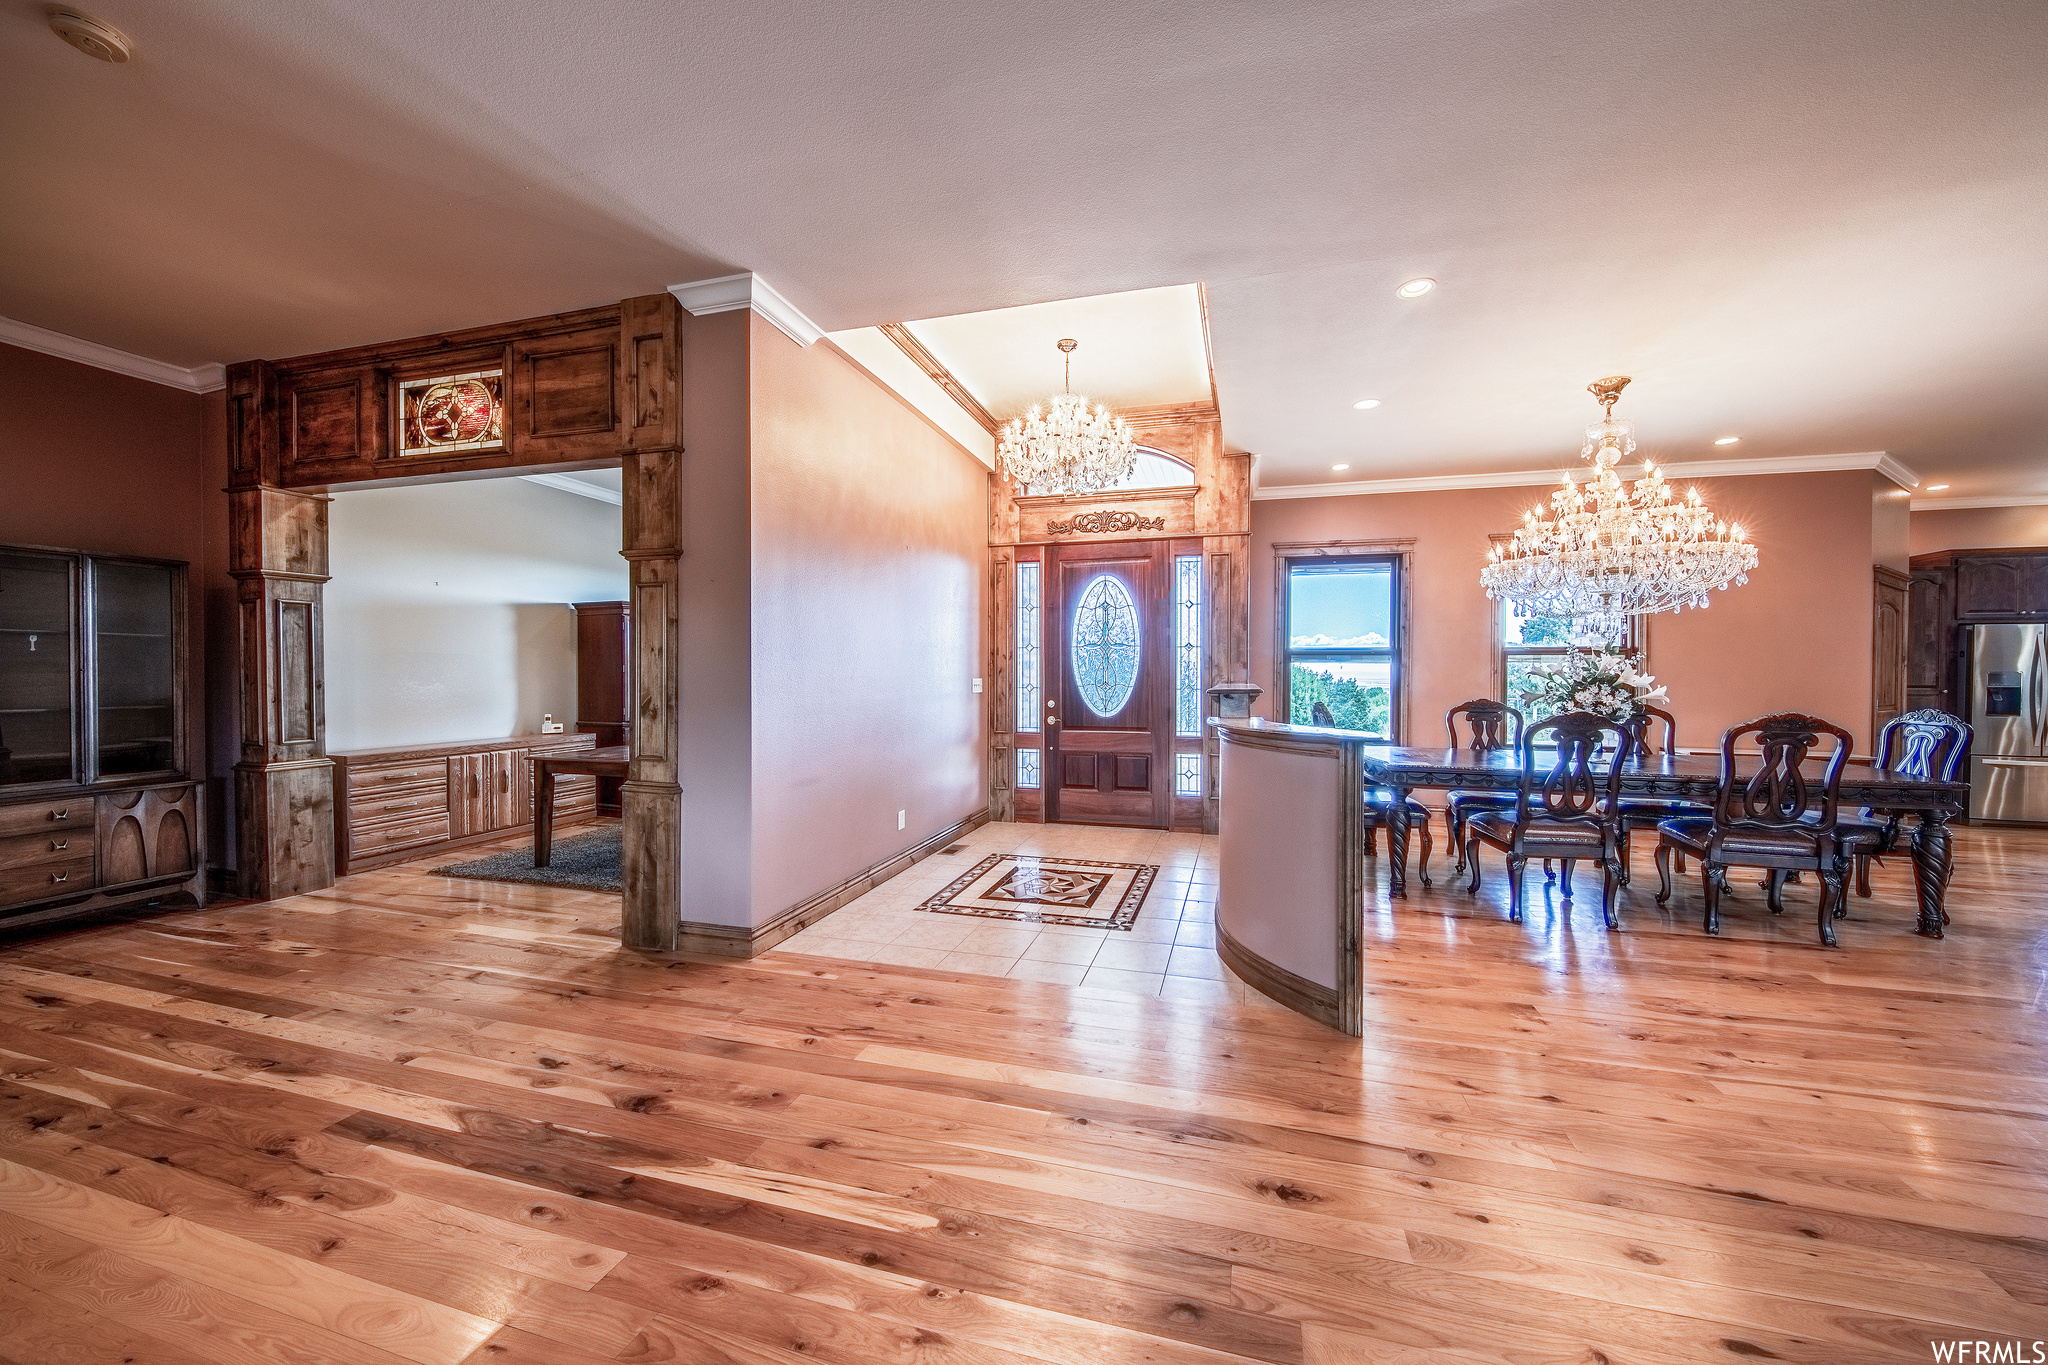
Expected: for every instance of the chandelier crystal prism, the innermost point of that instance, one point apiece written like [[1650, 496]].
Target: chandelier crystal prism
[[1610, 550], [1069, 445]]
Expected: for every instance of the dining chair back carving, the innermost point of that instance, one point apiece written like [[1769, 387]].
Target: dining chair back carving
[[1778, 818], [1565, 811], [1489, 725], [1927, 744]]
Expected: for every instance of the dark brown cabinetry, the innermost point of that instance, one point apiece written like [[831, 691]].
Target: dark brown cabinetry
[[395, 804], [97, 810], [604, 691], [1951, 589]]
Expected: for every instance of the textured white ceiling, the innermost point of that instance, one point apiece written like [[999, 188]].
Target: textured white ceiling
[[1816, 224], [1137, 349]]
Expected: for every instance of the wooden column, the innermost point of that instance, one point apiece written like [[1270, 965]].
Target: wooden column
[[284, 783], [652, 795]]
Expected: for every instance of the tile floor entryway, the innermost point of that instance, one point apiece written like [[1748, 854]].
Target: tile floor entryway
[[1168, 951]]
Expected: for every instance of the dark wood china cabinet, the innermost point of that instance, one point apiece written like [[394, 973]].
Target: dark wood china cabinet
[[98, 808]]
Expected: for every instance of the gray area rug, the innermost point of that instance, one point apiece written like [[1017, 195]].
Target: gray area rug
[[589, 862]]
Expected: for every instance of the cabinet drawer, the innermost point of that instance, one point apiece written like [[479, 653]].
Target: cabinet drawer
[[367, 841], [58, 845], [419, 797], [379, 776], [34, 817], [19, 884]]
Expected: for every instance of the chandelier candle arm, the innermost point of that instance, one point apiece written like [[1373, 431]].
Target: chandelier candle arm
[[1069, 445], [1609, 550]]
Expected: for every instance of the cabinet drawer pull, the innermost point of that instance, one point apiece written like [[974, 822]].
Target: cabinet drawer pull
[[58, 878], [59, 845], [397, 777], [402, 834], [401, 805], [64, 814]]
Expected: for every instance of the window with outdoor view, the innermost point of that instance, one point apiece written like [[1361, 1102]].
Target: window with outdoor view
[[1343, 651], [1527, 642]]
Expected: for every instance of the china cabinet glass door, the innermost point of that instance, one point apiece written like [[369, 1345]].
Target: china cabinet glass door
[[36, 686], [135, 714]]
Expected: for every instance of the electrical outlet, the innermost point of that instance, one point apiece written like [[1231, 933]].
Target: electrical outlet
[[550, 726], [899, 819], [977, 684]]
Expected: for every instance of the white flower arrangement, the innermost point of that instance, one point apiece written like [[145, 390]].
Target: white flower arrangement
[[1605, 682]]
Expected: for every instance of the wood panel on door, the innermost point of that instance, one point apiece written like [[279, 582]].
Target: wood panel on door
[[1109, 694]]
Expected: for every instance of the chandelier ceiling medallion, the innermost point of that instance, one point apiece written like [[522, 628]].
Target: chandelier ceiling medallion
[[1070, 445], [1611, 550]]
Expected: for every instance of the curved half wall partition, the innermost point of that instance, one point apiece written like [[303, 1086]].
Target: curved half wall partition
[[1290, 905]]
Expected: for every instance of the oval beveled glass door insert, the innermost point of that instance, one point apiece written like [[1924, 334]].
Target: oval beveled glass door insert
[[1104, 651]]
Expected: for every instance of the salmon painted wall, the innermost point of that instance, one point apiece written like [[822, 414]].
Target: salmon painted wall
[[1797, 637], [1979, 528], [869, 536], [97, 461]]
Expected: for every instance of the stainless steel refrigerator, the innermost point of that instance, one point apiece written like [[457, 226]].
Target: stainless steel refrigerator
[[2009, 707]]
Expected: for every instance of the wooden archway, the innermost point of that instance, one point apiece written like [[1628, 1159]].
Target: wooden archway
[[581, 389]]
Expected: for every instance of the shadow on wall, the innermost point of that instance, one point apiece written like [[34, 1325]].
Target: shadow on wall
[[435, 674]]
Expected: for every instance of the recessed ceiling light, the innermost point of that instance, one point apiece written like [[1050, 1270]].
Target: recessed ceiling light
[[1727, 440], [1936, 487], [1415, 289], [1341, 467], [1364, 403]]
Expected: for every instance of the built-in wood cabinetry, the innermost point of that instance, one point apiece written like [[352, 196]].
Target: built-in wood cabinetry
[[395, 804], [1951, 589], [1891, 593], [97, 807]]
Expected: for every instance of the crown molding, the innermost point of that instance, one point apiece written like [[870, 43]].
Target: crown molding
[[581, 489], [907, 342], [1962, 504], [729, 293], [1530, 478], [198, 379]]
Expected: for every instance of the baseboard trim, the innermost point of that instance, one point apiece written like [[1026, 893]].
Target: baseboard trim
[[1275, 982], [731, 940]]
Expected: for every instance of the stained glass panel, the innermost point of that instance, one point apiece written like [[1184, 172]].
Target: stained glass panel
[[1027, 767], [1104, 652], [1030, 682], [1187, 774], [1187, 645], [452, 413]]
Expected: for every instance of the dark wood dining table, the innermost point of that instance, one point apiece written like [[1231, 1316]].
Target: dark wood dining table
[[613, 761], [1686, 777]]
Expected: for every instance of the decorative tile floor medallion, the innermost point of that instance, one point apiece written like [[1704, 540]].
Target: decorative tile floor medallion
[[1047, 890]]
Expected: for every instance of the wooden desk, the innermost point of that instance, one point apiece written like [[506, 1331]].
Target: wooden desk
[[611, 762]]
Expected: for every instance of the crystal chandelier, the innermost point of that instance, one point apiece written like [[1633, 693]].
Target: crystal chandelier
[[1609, 550], [1070, 446]]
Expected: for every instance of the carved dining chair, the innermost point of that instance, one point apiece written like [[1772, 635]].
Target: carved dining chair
[[1647, 812], [1489, 725], [1569, 814], [1929, 745], [1377, 799], [1778, 819]]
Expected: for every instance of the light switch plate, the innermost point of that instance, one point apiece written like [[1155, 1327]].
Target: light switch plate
[[899, 819], [977, 684]]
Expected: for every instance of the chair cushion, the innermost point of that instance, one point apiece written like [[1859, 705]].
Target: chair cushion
[[1693, 832], [1482, 800], [1501, 825], [1688, 831], [1377, 801]]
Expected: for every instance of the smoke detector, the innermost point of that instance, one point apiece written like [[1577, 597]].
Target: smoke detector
[[91, 37]]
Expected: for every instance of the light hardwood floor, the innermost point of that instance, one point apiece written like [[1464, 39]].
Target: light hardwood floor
[[416, 1119]]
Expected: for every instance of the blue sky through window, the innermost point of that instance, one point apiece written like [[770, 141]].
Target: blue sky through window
[[1347, 607]]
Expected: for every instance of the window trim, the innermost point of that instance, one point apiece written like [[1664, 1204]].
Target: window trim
[[1401, 554]]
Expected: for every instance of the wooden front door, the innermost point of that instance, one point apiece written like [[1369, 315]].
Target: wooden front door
[[1109, 708]]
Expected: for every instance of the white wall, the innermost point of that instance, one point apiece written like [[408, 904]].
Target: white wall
[[446, 616]]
